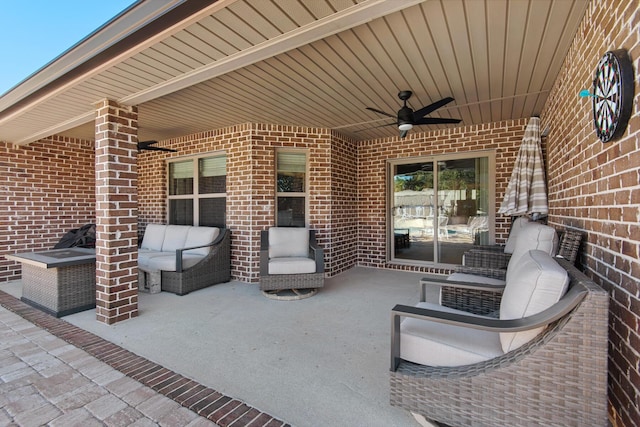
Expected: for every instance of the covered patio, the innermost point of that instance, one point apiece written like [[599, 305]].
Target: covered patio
[[319, 361], [247, 79]]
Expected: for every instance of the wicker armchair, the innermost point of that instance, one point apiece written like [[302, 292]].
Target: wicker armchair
[[557, 378], [518, 224], [290, 258], [493, 263], [533, 236], [569, 245]]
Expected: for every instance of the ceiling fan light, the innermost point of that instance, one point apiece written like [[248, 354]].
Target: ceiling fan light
[[405, 126]]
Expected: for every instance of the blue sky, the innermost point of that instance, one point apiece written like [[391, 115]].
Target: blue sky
[[33, 32]]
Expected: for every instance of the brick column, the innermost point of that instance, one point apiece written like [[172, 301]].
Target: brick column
[[116, 212]]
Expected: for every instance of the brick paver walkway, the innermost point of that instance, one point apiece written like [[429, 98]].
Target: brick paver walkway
[[56, 374]]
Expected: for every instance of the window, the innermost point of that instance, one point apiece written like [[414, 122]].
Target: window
[[291, 188], [197, 191], [440, 207]]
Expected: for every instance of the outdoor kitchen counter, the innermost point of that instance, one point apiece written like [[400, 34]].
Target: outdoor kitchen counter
[[58, 281]]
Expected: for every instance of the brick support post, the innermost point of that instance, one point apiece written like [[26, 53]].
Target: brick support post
[[116, 212]]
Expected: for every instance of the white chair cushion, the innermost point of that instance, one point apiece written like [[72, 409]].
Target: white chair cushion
[[167, 262], [537, 283], [145, 255], [516, 228], [198, 236], [437, 344], [153, 237], [292, 265], [175, 237], [288, 242], [534, 236]]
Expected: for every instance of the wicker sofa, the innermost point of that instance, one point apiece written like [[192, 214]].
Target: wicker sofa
[[181, 259], [540, 364]]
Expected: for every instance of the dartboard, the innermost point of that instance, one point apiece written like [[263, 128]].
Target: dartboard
[[612, 95]]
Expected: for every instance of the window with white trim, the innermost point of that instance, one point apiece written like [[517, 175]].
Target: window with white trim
[[198, 191], [291, 188]]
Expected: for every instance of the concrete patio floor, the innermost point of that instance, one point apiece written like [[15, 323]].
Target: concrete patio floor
[[321, 361]]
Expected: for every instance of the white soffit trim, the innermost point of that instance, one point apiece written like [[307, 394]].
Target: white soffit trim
[[353, 16], [60, 127]]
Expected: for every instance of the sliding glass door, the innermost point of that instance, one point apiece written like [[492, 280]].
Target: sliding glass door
[[440, 207]]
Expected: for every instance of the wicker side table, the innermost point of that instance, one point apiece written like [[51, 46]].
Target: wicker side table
[[59, 281]]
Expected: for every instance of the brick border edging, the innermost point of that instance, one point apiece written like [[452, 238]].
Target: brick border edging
[[204, 401]]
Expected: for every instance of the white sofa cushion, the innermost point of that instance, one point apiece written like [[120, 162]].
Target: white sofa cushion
[[438, 344], [292, 265], [160, 242], [144, 258], [153, 237], [175, 237], [288, 242], [537, 283], [518, 224], [198, 236], [534, 236], [166, 261]]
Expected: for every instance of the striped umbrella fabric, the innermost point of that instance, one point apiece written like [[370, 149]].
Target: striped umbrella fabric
[[527, 189]]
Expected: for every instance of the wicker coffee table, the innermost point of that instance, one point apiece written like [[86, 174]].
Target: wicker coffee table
[[59, 281]]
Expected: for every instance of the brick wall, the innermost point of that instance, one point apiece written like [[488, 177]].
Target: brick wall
[[346, 181], [343, 227], [250, 150], [152, 185], [47, 188], [503, 137], [594, 188], [317, 143]]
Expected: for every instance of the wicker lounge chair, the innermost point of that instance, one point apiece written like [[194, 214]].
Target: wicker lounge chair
[[518, 224], [485, 262], [532, 236], [290, 258], [557, 378]]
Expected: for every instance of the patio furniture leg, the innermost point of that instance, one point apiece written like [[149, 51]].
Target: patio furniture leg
[[154, 282]]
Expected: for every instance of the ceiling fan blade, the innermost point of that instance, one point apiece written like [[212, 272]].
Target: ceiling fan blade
[[149, 145], [435, 121], [169, 150], [375, 110], [431, 108]]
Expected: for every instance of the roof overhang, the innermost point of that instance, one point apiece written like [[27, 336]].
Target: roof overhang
[[197, 65]]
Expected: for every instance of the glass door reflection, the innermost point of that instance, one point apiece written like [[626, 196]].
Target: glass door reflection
[[439, 209]]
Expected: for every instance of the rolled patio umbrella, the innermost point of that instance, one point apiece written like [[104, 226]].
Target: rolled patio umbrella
[[527, 189]]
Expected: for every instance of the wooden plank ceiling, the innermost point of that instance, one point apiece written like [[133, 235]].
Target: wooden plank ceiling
[[320, 63]]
